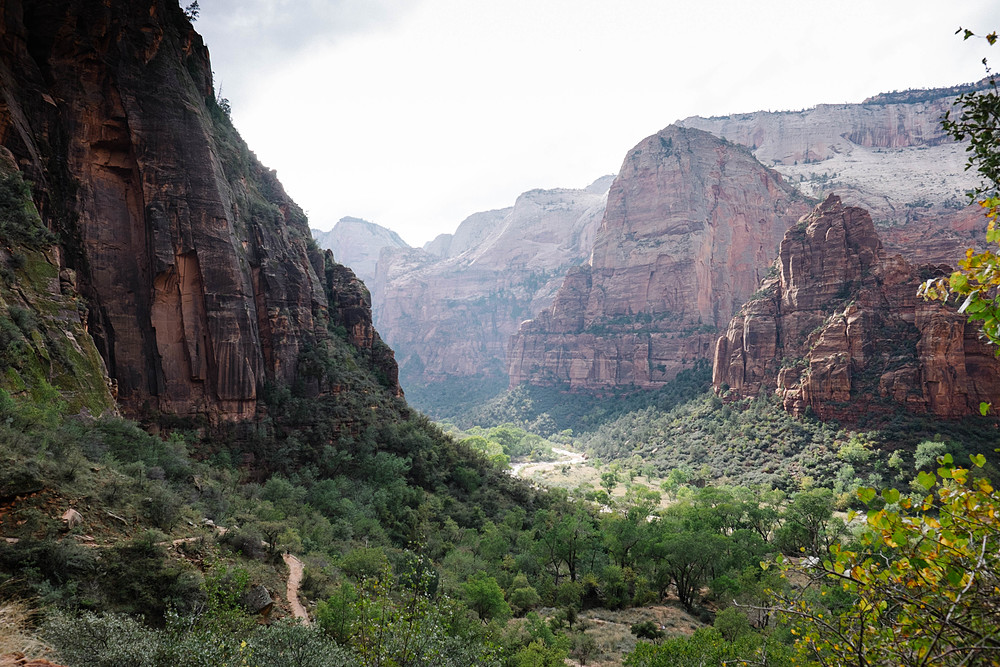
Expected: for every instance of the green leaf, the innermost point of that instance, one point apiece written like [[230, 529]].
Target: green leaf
[[978, 460], [984, 408], [890, 495], [926, 480], [959, 283], [866, 494]]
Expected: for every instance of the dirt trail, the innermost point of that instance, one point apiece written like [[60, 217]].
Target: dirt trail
[[529, 468], [294, 581]]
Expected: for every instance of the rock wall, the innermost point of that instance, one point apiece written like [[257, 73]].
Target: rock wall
[[839, 330], [449, 309], [692, 223], [887, 155], [197, 268]]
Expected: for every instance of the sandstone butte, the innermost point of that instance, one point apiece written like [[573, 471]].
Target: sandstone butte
[[691, 225], [197, 268], [838, 329]]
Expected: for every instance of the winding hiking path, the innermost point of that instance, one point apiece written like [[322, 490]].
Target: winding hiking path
[[292, 590]]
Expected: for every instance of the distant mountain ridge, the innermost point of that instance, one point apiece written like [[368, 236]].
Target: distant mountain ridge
[[357, 243], [449, 308], [691, 223]]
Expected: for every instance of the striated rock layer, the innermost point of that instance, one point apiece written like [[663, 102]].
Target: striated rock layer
[[201, 281], [448, 309], [839, 330], [887, 155], [691, 224]]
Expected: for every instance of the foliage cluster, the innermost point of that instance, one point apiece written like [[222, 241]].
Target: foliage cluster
[[917, 586]]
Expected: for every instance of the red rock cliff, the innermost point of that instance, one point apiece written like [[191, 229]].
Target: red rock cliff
[[195, 264], [839, 329], [691, 224]]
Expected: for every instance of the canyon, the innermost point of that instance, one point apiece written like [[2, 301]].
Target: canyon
[[448, 309], [690, 227]]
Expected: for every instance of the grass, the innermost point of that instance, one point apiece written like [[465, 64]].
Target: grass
[[17, 632]]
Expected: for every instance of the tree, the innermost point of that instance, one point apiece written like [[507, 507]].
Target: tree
[[485, 597], [978, 275], [920, 588]]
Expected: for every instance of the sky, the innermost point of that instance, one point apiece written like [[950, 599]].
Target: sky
[[414, 114]]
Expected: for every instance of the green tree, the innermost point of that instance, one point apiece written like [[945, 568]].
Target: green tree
[[523, 596], [921, 584], [485, 597]]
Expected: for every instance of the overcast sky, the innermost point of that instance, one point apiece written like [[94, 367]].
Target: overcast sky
[[416, 113]]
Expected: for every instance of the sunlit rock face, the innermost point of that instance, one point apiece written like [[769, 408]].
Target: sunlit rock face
[[449, 309], [691, 225], [196, 267], [839, 330]]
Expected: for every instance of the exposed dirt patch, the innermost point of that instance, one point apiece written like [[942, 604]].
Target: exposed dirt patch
[[612, 633], [294, 582]]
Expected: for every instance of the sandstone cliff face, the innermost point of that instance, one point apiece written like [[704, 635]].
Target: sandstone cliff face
[[887, 155], [839, 329], [196, 267], [691, 224], [449, 309], [357, 243]]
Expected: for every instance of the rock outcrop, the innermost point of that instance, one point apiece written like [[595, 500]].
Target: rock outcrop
[[838, 329], [691, 224], [196, 267], [887, 155], [357, 243], [449, 309]]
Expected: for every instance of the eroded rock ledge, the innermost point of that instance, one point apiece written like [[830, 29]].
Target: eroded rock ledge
[[838, 329]]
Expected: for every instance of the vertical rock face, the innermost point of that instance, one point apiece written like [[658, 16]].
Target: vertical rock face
[[691, 224], [839, 329], [449, 309], [351, 308], [197, 268], [887, 155]]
